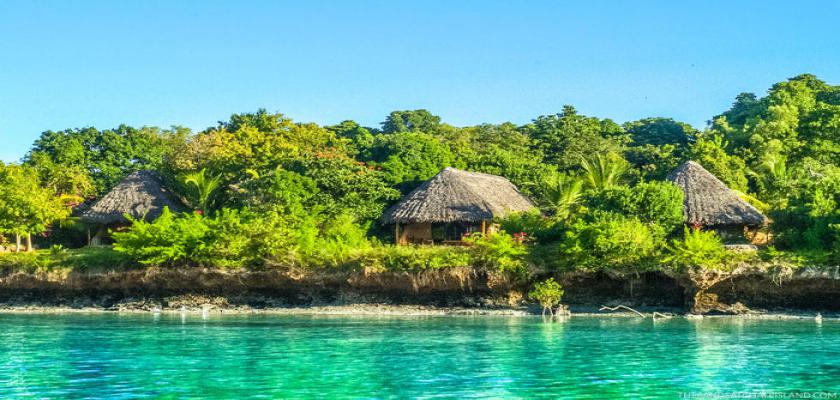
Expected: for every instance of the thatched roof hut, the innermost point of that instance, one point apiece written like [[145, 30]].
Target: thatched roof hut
[[709, 202], [140, 195], [454, 195]]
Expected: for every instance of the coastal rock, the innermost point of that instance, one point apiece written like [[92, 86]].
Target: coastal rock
[[744, 290]]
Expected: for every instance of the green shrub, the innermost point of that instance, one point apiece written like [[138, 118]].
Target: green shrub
[[228, 239], [697, 248], [231, 239], [415, 258], [335, 241], [27, 261], [242, 238], [611, 240], [499, 251], [534, 224], [169, 239], [86, 259], [57, 249], [658, 203], [548, 293]]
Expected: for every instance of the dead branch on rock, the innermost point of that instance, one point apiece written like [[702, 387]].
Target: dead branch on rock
[[622, 307], [656, 314]]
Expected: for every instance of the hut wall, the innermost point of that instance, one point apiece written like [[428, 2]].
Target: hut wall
[[758, 236], [416, 233], [731, 234]]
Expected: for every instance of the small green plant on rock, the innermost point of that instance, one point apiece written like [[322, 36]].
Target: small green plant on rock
[[697, 248], [548, 293], [500, 251]]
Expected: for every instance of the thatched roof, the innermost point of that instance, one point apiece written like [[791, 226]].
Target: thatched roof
[[455, 195], [140, 195], [709, 202]]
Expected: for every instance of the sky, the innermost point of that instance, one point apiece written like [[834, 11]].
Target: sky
[[192, 63]]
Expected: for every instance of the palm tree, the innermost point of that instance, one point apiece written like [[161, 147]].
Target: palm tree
[[563, 192], [777, 166], [604, 171], [204, 186]]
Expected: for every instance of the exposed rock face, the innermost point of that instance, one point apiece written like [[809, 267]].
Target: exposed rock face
[[807, 289], [142, 289], [771, 288], [735, 292]]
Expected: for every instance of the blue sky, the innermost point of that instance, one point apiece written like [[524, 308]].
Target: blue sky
[[90, 63]]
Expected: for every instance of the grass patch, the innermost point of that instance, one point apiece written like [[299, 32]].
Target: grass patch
[[87, 259], [413, 258], [796, 258]]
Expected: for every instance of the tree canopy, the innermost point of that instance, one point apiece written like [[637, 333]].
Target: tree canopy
[[780, 151]]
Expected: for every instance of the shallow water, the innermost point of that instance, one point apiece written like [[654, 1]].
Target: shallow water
[[132, 356]]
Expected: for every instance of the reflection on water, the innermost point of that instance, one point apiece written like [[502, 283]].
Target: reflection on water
[[131, 356]]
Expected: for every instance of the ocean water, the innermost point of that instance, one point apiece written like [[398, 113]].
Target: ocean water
[[70, 356]]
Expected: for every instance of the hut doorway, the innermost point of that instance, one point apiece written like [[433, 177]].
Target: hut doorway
[[101, 235]]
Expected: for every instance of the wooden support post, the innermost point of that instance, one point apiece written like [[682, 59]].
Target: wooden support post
[[397, 234], [483, 228]]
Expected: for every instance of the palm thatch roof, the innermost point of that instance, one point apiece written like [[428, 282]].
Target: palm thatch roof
[[454, 195], [140, 195], [709, 202]]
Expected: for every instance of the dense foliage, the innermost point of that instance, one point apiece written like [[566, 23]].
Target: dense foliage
[[26, 206], [696, 248], [269, 190]]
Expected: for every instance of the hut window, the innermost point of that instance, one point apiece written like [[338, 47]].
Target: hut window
[[453, 231], [439, 232]]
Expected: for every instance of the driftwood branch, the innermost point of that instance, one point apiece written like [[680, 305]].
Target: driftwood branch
[[622, 307]]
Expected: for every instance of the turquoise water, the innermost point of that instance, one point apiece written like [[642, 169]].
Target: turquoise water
[[258, 356]]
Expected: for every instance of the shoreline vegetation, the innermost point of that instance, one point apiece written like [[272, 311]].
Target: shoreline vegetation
[[261, 212]]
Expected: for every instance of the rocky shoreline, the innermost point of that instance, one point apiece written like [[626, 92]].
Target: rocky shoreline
[[748, 291], [385, 310]]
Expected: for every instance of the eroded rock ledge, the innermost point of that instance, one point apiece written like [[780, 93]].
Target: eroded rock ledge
[[746, 289]]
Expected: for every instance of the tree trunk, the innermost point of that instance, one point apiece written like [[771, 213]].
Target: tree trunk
[[17, 242], [29, 248]]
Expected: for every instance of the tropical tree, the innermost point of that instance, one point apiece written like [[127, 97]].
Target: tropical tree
[[411, 121], [603, 171], [26, 208], [710, 150], [203, 188], [567, 137], [548, 293], [408, 158], [73, 159], [345, 186], [658, 145], [563, 192]]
